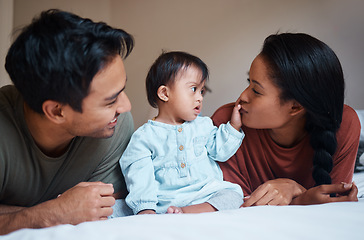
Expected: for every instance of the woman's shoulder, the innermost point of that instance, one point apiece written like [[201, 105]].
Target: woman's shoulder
[[350, 125], [222, 114], [350, 118]]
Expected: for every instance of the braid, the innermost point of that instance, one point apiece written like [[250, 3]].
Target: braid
[[324, 144]]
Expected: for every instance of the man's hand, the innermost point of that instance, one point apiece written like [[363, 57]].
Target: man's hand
[[87, 201], [322, 194]]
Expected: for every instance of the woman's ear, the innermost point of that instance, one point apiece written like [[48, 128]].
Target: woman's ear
[[53, 111], [163, 93], [296, 108]]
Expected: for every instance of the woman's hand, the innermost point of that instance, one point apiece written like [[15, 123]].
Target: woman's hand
[[279, 191], [322, 194]]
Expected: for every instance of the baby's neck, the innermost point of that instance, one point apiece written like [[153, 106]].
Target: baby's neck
[[168, 120]]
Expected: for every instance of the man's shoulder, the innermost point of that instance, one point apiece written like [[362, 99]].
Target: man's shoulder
[[125, 122], [9, 111], [125, 126], [8, 95]]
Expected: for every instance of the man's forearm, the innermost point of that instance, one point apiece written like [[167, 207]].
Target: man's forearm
[[13, 218], [87, 201], [12, 221], [9, 209], [7, 216]]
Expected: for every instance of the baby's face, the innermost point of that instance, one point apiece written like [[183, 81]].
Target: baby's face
[[186, 95]]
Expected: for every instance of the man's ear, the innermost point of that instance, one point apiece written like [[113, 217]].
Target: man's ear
[[53, 111], [163, 93], [296, 108]]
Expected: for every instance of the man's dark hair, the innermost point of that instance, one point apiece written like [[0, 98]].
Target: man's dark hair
[[59, 53]]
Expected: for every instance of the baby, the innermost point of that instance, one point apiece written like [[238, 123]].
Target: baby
[[169, 164]]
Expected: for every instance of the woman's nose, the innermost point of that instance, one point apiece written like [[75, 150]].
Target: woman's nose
[[244, 98]]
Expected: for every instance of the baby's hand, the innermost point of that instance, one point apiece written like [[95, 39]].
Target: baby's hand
[[236, 117]]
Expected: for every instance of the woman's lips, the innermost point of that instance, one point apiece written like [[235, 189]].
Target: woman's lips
[[243, 111]]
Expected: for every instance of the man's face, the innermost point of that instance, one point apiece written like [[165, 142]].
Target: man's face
[[103, 105]]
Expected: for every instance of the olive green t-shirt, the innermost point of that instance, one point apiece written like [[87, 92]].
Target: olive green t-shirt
[[28, 177]]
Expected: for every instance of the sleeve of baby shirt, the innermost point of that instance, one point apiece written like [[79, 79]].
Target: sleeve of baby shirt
[[223, 142], [137, 167]]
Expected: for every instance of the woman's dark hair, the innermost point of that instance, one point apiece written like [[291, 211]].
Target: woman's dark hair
[[166, 67], [59, 53], [308, 71]]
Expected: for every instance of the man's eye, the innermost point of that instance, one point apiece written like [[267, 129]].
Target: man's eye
[[111, 103]]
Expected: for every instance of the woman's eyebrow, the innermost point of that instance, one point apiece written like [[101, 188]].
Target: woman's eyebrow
[[256, 82]]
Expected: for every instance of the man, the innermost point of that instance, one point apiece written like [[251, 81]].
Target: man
[[64, 124]]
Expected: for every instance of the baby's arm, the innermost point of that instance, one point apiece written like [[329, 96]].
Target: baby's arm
[[138, 170], [225, 140]]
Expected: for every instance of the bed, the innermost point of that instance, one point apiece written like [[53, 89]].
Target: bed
[[343, 220]]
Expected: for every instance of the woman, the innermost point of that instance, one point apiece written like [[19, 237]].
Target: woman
[[301, 140]]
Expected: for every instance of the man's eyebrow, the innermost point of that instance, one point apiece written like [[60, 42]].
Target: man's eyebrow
[[114, 95]]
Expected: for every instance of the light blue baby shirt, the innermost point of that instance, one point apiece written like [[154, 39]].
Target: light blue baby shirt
[[174, 165]]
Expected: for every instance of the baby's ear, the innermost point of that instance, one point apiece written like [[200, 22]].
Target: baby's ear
[[163, 93]]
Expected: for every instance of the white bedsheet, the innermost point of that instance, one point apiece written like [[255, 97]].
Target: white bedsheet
[[326, 221]]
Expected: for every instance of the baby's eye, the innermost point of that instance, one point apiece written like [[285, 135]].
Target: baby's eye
[[202, 91], [194, 89]]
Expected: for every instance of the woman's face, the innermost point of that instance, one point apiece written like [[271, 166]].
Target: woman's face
[[261, 105]]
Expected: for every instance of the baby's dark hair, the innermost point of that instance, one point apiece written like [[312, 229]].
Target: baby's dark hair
[[166, 67], [308, 71]]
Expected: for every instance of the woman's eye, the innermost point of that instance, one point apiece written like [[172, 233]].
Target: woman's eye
[[256, 92], [252, 87]]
